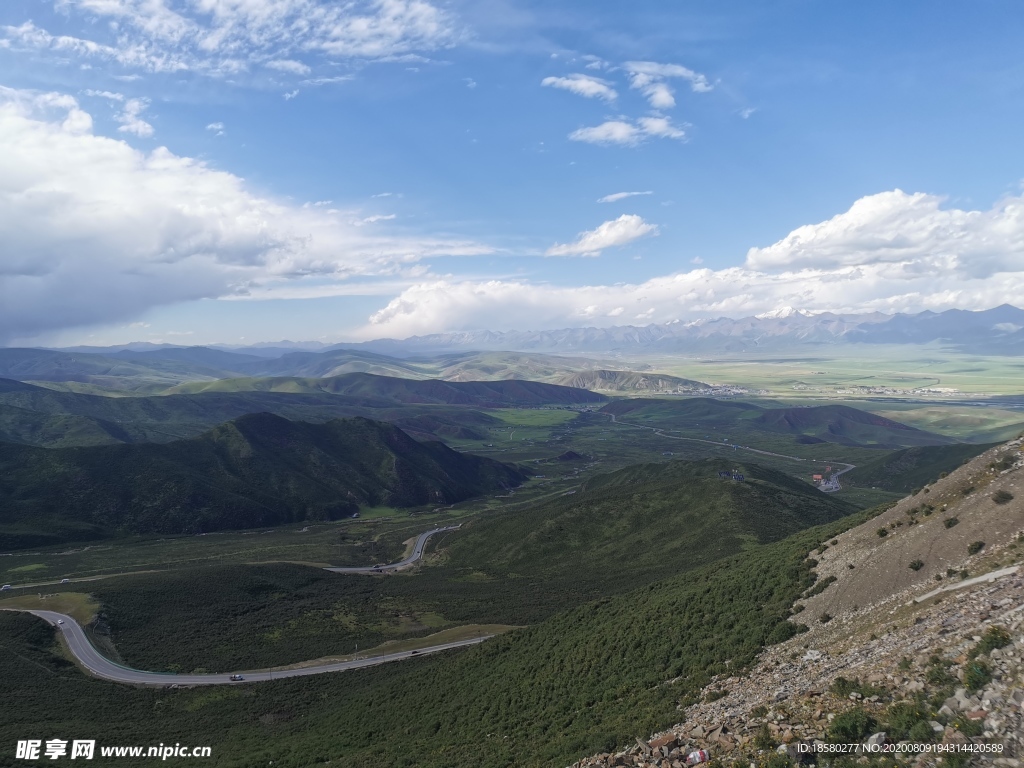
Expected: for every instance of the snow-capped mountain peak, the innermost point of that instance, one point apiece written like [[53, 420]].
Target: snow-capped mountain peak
[[782, 312]]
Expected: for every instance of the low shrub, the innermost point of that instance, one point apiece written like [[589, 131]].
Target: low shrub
[[851, 726], [975, 547], [994, 637], [882, 533], [1002, 497], [977, 675], [949, 522], [916, 565]]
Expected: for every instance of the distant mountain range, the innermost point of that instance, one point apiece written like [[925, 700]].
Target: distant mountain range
[[999, 330], [994, 331]]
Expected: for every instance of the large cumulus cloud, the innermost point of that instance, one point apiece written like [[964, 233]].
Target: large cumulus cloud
[[93, 230], [891, 252]]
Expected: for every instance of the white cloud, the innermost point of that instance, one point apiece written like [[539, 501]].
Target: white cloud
[[910, 230], [614, 198], [628, 134], [373, 219], [109, 95], [891, 252], [582, 85], [746, 113], [228, 37], [216, 128], [97, 231], [661, 127], [289, 65], [625, 229], [642, 73], [291, 95], [130, 119], [609, 132]]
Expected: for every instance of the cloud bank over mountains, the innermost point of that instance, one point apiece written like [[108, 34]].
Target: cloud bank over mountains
[[96, 231], [890, 252]]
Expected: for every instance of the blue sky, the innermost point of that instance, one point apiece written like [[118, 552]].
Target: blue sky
[[200, 171]]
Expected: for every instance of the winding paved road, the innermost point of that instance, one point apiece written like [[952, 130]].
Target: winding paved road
[[102, 667], [417, 553]]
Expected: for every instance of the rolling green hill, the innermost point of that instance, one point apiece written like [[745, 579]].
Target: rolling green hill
[[655, 518], [38, 416], [622, 531], [257, 470], [902, 471], [488, 394], [847, 426], [589, 679], [838, 424], [628, 381]]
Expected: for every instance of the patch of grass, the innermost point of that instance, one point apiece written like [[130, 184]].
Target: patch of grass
[[851, 726], [82, 608], [977, 674], [34, 567], [994, 637]]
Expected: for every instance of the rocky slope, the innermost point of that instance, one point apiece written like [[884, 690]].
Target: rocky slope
[[913, 637]]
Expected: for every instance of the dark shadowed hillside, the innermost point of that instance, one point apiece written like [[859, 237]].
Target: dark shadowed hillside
[[902, 471], [846, 425], [494, 394], [255, 471]]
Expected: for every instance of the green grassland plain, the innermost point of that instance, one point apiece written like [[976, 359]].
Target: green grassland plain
[[826, 369]]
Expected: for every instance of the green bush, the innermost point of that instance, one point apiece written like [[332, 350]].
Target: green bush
[[977, 675], [994, 637], [949, 522], [763, 739], [1002, 497], [916, 565], [921, 732], [975, 547], [882, 533], [902, 717], [969, 728], [851, 726]]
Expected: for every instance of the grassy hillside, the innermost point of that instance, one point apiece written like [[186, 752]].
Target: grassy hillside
[[622, 531], [657, 518], [902, 471], [628, 381], [845, 425], [255, 471], [586, 680], [38, 416], [838, 424], [491, 394]]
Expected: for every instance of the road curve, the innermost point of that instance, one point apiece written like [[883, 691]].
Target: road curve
[[102, 667], [417, 553]]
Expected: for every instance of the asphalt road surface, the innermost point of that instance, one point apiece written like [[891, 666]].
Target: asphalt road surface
[[417, 553], [103, 667]]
